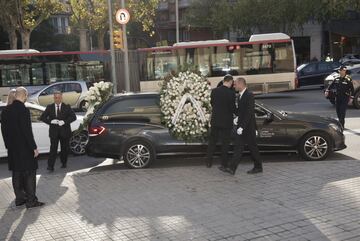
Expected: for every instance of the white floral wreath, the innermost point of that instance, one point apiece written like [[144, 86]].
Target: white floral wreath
[[185, 105], [95, 97]]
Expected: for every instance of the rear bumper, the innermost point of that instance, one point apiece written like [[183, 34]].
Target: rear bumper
[[95, 149]]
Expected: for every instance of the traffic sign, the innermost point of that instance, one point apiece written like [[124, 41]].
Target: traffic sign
[[118, 39], [122, 16]]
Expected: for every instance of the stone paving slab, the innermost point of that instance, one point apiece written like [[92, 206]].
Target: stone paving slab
[[289, 201]]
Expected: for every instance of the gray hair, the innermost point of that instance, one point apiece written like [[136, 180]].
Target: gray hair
[[57, 92], [241, 79], [11, 97]]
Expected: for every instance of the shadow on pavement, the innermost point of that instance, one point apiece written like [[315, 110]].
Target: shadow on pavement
[[75, 163], [16, 220], [161, 201]]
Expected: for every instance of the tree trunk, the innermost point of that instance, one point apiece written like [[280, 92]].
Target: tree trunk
[[13, 39], [25, 39], [100, 38], [84, 46]]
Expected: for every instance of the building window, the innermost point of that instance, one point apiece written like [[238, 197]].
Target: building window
[[172, 17]]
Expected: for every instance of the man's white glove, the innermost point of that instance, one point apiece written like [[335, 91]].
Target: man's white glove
[[256, 133], [235, 121], [61, 123], [239, 131], [55, 122]]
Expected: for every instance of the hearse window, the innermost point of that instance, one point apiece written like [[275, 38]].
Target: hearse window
[[260, 112], [144, 105]]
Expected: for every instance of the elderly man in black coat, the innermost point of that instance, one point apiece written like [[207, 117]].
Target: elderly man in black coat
[[22, 149], [59, 116]]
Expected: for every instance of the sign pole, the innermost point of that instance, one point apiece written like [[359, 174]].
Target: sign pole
[[177, 19], [126, 54], [112, 51]]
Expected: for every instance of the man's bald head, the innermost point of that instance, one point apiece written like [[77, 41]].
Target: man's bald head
[[21, 94]]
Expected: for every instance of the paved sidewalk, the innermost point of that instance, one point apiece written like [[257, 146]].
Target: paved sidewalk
[[289, 201]]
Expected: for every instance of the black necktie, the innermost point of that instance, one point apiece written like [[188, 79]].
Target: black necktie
[[57, 110]]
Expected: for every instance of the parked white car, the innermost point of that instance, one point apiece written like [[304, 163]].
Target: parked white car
[[41, 132], [74, 93]]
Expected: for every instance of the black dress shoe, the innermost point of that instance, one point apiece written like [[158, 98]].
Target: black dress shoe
[[50, 169], [20, 203], [255, 170], [230, 170], [222, 168], [208, 164], [35, 204], [63, 165]]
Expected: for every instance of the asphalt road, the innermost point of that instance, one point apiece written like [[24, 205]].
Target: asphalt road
[[307, 100]]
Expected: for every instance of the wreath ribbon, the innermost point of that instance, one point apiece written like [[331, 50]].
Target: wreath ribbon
[[180, 107]]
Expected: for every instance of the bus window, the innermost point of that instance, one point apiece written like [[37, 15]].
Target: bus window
[[150, 65], [61, 72], [202, 60], [256, 58], [164, 64], [198, 58], [37, 74], [90, 71], [284, 58], [15, 75], [224, 61]]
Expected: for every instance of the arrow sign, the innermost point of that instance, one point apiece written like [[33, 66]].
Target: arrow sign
[[122, 16]]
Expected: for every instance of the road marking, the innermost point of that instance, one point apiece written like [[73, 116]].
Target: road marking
[[352, 132]]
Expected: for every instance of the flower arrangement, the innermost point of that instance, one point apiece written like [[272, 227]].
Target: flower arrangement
[[95, 97], [185, 105]]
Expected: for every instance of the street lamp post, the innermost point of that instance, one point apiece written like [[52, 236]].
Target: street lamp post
[[177, 19], [126, 54]]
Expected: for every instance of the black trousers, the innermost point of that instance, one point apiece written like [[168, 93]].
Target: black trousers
[[240, 141], [64, 145], [24, 184], [341, 107], [224, 135]]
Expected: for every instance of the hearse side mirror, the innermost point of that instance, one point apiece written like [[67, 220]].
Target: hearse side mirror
[[269, 117]]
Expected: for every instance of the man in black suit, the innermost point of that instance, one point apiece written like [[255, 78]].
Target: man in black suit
[[246, 129], [22, 150], [223, 107], [59, 116]]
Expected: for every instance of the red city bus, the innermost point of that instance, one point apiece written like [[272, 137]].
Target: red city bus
[[34, 69]]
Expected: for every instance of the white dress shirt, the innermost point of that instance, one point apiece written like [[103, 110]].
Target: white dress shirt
[[241, 93]]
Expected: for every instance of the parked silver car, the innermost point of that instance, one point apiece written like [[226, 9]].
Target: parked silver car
[[74, 93]]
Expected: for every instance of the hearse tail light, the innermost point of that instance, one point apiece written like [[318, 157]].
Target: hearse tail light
[[96, 130]]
